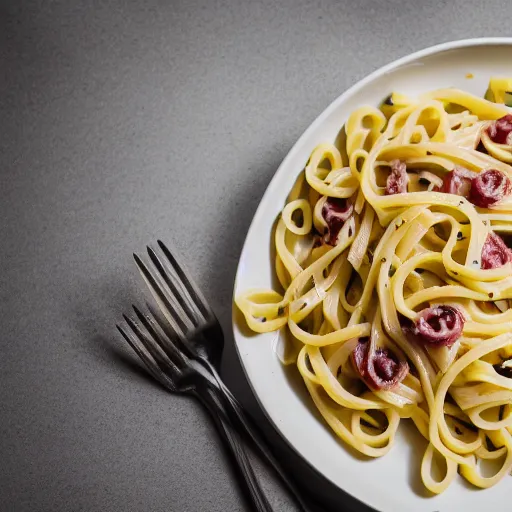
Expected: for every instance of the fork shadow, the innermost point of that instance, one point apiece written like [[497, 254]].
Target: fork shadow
[[128, 363]]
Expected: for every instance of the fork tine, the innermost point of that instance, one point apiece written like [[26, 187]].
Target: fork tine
[[146, 358], [175, 335], [176, 288], [172, 310], [159, 356], [193, 290], [164, 342]]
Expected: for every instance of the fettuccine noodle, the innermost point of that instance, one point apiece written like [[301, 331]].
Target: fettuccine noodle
[[397, 281]]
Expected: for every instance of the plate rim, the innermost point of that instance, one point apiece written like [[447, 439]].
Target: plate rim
[[353, 89]]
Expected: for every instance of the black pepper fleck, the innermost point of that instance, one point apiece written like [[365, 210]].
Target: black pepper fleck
[[491, 295], [389, 101], [383, 260], [458, 431], [302, 307], [459, 235], [280, 311], [475, 262]]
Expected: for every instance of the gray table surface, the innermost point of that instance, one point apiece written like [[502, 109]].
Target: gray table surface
[[124, 121]]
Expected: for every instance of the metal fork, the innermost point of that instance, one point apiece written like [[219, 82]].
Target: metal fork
[[176, 372], [200, 335]]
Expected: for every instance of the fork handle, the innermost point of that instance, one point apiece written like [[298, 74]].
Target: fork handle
[[246, 423], [237, 448]]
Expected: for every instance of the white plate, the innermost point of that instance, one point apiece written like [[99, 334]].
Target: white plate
[[391, 483]]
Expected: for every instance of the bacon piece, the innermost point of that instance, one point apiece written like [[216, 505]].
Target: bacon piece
[[335, 212], [495, 253], [439, 326], [458, 181], [500, 131], [379, 368], [489, 187], [397, 180]]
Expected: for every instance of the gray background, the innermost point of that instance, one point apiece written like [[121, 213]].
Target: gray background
[[121, 122]]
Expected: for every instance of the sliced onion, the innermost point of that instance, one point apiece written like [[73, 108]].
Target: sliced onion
[[435, 180]]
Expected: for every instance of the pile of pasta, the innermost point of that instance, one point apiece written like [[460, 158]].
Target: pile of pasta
[[397, 280]]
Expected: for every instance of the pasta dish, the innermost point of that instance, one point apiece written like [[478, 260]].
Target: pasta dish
[[392, 254]]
